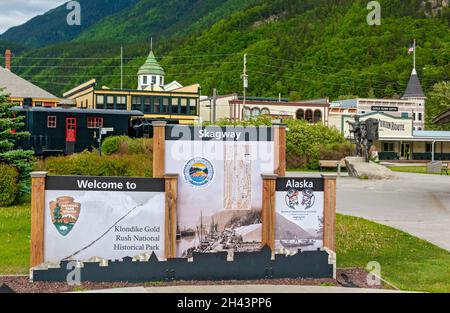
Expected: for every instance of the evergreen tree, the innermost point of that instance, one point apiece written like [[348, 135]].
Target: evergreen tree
[[9, 124]]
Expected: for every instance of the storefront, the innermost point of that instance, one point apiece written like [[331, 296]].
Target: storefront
[[398, 140]]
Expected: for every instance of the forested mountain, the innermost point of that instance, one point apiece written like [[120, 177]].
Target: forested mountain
[[299, 48], [52, 27]]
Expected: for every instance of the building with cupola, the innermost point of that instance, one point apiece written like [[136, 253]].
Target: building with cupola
[[158, 101]]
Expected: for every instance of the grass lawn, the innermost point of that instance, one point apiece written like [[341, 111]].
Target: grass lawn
[[15, 238], [411, 169], [406, 261]]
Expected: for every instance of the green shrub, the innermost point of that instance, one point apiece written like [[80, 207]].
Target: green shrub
[[112, 144], [125, 145], [90, 164], [9, 184]]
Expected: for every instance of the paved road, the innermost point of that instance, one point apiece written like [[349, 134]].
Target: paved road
[[223, 289], [418, 204]]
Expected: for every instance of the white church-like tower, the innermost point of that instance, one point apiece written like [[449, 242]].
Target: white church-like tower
[[151, 74]]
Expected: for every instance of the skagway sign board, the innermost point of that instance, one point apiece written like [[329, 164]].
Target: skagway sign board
[[299, 206], [106, 217], [220, 186]]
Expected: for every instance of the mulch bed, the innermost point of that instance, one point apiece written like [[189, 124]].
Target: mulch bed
[[352, 278]]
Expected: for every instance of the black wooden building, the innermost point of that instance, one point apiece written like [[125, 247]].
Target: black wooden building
[[71, 130]]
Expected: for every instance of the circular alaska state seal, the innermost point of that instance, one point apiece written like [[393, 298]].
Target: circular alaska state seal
[[199, 172]]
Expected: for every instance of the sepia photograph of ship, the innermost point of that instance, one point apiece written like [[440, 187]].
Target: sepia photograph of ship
[[226, 215]]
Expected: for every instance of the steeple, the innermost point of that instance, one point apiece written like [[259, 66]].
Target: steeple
[[414, 88], [151, 73], [151, 66]]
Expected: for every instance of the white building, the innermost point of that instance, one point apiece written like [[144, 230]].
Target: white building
[[411, 105], [233, 107]]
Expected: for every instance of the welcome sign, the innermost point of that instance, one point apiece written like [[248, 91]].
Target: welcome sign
[[105, 217], [220, 185], [299, 206]]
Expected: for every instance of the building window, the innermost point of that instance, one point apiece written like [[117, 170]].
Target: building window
[[175, 107], [154, 80], [309, 116], [256, 112], [109, 103], [160, 80], [317, 116], [165, 105], [246, 113], [193, 106], [38, 104], [265, 111], [121, 103], [136, 103], [100, 102], [300, 115], [156, 105], [147, 105], [94, 122], [144, 80], [388, 147], [51, 121], [184, 105], [428, 148], [420, 116]]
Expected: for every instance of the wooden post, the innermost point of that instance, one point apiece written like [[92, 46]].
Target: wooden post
[[268, 211], [280, 149], [170, 232], [37, 218], [329, 214], [159, 138]]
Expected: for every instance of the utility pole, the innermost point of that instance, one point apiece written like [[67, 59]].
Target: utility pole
[[121, 67], [245, 83], [214, 105]]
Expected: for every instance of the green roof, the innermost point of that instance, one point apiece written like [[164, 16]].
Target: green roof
[[151, 66]]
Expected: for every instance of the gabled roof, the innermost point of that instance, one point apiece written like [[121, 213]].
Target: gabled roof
[[18, 87], [414, 89], [151, 66]]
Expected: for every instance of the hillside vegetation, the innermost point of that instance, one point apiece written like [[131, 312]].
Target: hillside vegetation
[[299, 48]]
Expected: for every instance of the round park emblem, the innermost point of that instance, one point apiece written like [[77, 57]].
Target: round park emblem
[[303, 199], [199, 172]]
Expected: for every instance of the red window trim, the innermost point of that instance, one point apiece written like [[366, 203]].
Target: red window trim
[[94, 122]]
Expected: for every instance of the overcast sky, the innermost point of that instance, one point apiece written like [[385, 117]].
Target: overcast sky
[[17, 12]]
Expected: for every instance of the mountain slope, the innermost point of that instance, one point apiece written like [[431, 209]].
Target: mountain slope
[[302, 49], [52, 26], [155, 18]]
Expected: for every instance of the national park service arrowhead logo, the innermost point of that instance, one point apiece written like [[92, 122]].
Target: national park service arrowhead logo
[[64, 213]]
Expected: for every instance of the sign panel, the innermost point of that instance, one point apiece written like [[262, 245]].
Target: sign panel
[[379, 108], [389, 126], [299, 205], [106, 217], [220, 186]]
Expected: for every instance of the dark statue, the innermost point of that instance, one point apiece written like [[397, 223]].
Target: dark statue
[[364, 134]]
